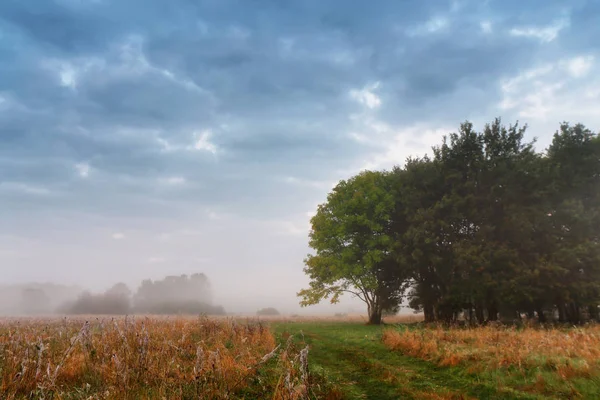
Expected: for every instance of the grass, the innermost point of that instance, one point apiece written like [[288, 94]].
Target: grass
[[413, 361], [298, 358], [354, 357], [562, 363], [149, 358]]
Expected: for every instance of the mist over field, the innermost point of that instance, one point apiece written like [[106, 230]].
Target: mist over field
[[188, 295]]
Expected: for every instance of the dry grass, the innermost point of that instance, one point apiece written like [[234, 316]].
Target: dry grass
[[349, 318], [568, 353], [162, 358]]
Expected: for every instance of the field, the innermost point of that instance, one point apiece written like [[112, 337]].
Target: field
[[293, 358], [156, 358]]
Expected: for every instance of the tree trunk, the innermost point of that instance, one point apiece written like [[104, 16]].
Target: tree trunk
[[375, 316], [562, 312], [375, 311], [429, 313], [541, 315], [573, 314], [479, 314], [594, 314], [492, 312]]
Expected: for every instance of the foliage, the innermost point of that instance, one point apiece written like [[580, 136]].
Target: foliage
[[352, 237], [486, 229]]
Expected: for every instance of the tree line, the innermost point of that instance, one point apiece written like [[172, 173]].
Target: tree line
[[486, 228], [172, 295]]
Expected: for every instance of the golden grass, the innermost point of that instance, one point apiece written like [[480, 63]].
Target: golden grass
[[350, 318], [144, 357], [570, 353]]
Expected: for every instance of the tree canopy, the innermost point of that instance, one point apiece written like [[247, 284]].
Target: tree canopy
[[486, 228]]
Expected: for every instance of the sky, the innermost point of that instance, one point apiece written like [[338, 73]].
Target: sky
[[146, 138]]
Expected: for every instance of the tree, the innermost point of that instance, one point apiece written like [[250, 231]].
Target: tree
[[419, 236], [572, 248], [353, 241], [119, 290], [496, 229], [176, 294]]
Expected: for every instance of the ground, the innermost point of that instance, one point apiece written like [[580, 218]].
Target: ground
[[148, 357], [354, 358]]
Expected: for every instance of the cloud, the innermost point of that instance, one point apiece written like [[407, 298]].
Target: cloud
[[291, 228], [366, 96], [486, 26], [83, 169], [118, 236], [173, 180], [433, 25], [203, 142], [579, 66], [67, 78], [291, 180], [400, 143], [213, 215], [544, 34], [553, 89], [25, 188]]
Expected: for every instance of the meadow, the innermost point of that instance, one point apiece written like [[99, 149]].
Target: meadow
[[147, 357]]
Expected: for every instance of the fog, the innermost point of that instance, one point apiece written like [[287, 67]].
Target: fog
[[174, 294], [140, 140], [248, 268]]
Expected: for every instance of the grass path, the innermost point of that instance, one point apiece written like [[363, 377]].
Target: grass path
[[353, 357]]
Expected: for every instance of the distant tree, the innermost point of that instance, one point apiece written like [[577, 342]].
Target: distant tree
[[175, 295], [108, 303], [269, 311], [353, 241], [119, 289]]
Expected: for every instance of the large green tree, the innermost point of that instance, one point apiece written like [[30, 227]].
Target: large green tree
[[353, 241]]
